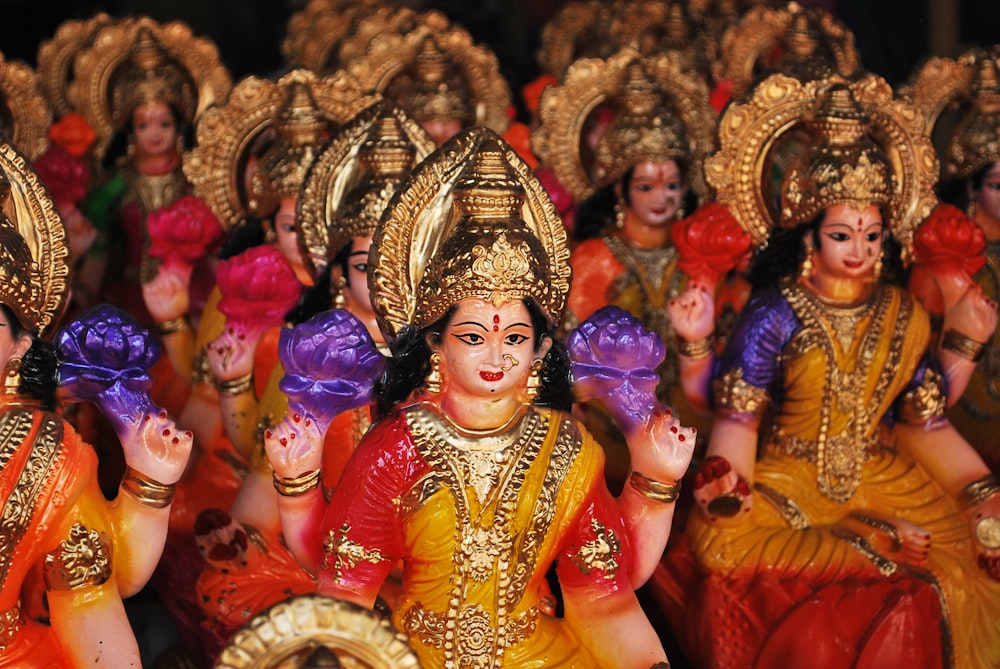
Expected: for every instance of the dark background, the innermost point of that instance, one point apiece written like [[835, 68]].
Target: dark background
[[893, 36]]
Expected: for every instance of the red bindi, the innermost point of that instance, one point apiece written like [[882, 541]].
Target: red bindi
[[860, 223], [496, 322]]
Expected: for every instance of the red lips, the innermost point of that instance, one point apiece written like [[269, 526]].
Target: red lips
[[492, 377]]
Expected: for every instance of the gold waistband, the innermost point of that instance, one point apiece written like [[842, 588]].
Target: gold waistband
[[431, 628]]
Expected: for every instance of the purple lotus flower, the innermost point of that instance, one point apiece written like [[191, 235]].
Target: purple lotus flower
[[105, 357], [331, 364], [614, 358]]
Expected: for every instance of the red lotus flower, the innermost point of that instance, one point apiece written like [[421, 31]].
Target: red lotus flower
[[73, 133], [948, 240], [710, 243]]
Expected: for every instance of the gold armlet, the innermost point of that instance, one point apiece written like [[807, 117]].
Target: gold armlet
[[697, 349], [83, 560], [655, 490], [237, 386], [146, 491], [958, 343], [174, 325], [980, 490], [298, 485]]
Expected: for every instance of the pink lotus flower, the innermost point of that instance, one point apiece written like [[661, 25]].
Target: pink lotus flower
[[258, 288], [183, 232]]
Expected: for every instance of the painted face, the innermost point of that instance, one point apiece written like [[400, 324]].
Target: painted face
[[850, 242], [988, 197], [487, 351], [155, 130], [357, 275], [10, 346], [288, 234], [442, 129], [655, 192]]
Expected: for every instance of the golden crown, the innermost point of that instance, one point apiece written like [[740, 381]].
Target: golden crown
[[283, 165], [149, 78], [842, 165], [976, 141], [646, 129], [472, 221], [34, 272], [352, 181]]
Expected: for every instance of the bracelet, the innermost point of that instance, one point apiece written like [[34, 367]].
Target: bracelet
[[661, 665], [697, 349], [147, 491], [237, 386], [297, 485], [174, 325], [655, 490], [958, 343], [980, 490]]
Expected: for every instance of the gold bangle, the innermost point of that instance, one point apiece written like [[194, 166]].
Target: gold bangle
[[147, 491], [655, 490], [980, 490], [237, 386], [697, 349], [960, 344], [174, 325], [298, 485]]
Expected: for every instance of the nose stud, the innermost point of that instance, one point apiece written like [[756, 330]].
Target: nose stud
[[511, 362]]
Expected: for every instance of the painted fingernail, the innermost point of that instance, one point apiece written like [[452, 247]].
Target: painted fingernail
[[283, 441], [267, 433]]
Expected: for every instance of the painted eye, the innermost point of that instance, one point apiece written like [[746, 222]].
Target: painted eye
[[471, 338], [361, 267], [516, 339]]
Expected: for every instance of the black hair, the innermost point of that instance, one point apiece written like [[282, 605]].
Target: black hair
[[410, 363], [38, 365]]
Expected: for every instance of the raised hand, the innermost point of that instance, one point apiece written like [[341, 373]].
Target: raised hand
[[230, 355], [167, 295], [294, 446], [693, 313]]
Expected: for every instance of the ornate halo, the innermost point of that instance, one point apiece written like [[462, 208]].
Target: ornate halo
[[23, 106], [951, 93], [750, 131], [314, 34], [55, 58], [37, 291], [592, 82], [420, 219], [762, 28], [340, 168], [595, 29], [98, 66], [227, 134], [390, 55], [297, 627]]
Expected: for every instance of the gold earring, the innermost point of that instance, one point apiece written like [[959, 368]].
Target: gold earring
[[619, 215], [339, 299], [12, 377], [877, 270], [807, 268], [534, 379], [434, 378]]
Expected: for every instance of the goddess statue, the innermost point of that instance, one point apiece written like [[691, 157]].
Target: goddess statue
[[343, 197], [643, 173], [837, 509], [960, 100], [69, 556], [248, 167], [437, 74], [476, 476], [141, 85]]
